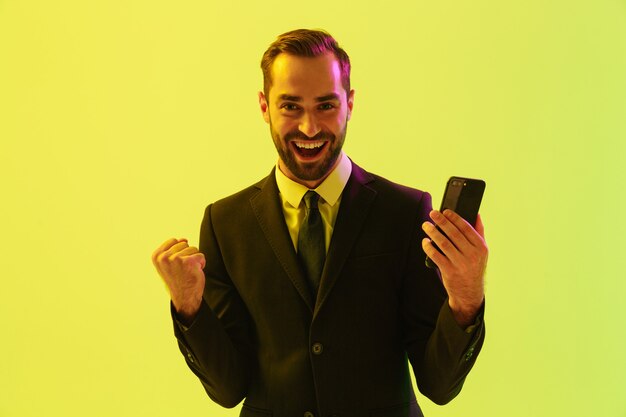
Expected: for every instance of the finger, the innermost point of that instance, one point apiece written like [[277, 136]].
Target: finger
[[437, 257], [190, 250], [162, 248], [469, 233], [169, 243], [174, 250], [444, 244], [451, 230]]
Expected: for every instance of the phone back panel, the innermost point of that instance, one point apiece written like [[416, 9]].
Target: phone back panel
[[463, 196]]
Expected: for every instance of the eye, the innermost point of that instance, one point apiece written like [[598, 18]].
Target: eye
[[290, 107], [326, 106]]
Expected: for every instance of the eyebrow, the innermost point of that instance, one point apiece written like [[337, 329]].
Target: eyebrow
[[327, 97]]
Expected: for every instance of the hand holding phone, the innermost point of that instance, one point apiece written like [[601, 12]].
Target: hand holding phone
[[463, 196]]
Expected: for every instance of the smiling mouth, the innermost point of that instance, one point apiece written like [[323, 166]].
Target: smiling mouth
[[309, 149]]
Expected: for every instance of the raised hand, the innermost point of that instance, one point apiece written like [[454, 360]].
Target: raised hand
[[463, 266], [180, 266]]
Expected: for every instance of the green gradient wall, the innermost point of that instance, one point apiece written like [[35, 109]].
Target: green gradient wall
[[121, 120]]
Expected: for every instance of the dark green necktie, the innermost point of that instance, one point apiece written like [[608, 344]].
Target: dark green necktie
[[311, 247]]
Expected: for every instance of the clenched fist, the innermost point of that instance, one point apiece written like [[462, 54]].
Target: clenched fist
[[180, 266]]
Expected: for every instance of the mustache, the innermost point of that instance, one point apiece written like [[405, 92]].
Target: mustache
[[297, 135]]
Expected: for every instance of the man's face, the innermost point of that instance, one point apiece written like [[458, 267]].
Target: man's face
[[308, 111]]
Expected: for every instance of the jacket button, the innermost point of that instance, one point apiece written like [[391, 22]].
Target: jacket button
[[309, 414], [317, 349]]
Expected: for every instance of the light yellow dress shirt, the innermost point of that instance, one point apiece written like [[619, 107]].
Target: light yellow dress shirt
[[294, 209]]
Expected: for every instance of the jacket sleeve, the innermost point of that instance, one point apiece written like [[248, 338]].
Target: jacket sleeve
[[217, 346], [441, 352]]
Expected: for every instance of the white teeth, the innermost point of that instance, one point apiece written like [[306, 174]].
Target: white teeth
[[309, 145]]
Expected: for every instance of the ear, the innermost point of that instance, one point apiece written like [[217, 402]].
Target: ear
[[350, 103], [264, 107]]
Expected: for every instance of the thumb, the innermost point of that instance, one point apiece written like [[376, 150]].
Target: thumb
[[480, 228], [199, 259]]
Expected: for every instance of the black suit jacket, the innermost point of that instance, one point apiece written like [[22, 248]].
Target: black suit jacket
[[259, 335]]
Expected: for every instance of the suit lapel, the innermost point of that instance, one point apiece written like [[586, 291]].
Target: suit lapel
[[356, 200], [269, 214]]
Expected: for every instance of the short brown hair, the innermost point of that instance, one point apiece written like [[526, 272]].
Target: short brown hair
[[306, 43]]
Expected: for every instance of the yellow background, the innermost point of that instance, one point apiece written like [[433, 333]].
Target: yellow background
[[121, 120]]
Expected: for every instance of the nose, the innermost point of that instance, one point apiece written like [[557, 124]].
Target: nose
[[308, 125]]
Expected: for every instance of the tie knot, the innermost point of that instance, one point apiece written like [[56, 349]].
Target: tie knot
[[311, 198]]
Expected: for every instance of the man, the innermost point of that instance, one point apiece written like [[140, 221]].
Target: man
[[310, 303]]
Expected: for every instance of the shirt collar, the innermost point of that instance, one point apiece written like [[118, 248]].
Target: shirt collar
[[330, 189]]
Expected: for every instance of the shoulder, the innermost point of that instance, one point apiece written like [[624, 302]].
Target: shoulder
[[388, 190], [241, 200]]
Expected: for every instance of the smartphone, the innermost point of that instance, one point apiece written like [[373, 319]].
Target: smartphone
[[463, 196]]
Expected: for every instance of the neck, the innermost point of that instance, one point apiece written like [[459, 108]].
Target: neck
[[310, 184]]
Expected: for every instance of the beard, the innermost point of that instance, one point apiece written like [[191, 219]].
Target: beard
[[309, 171]]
